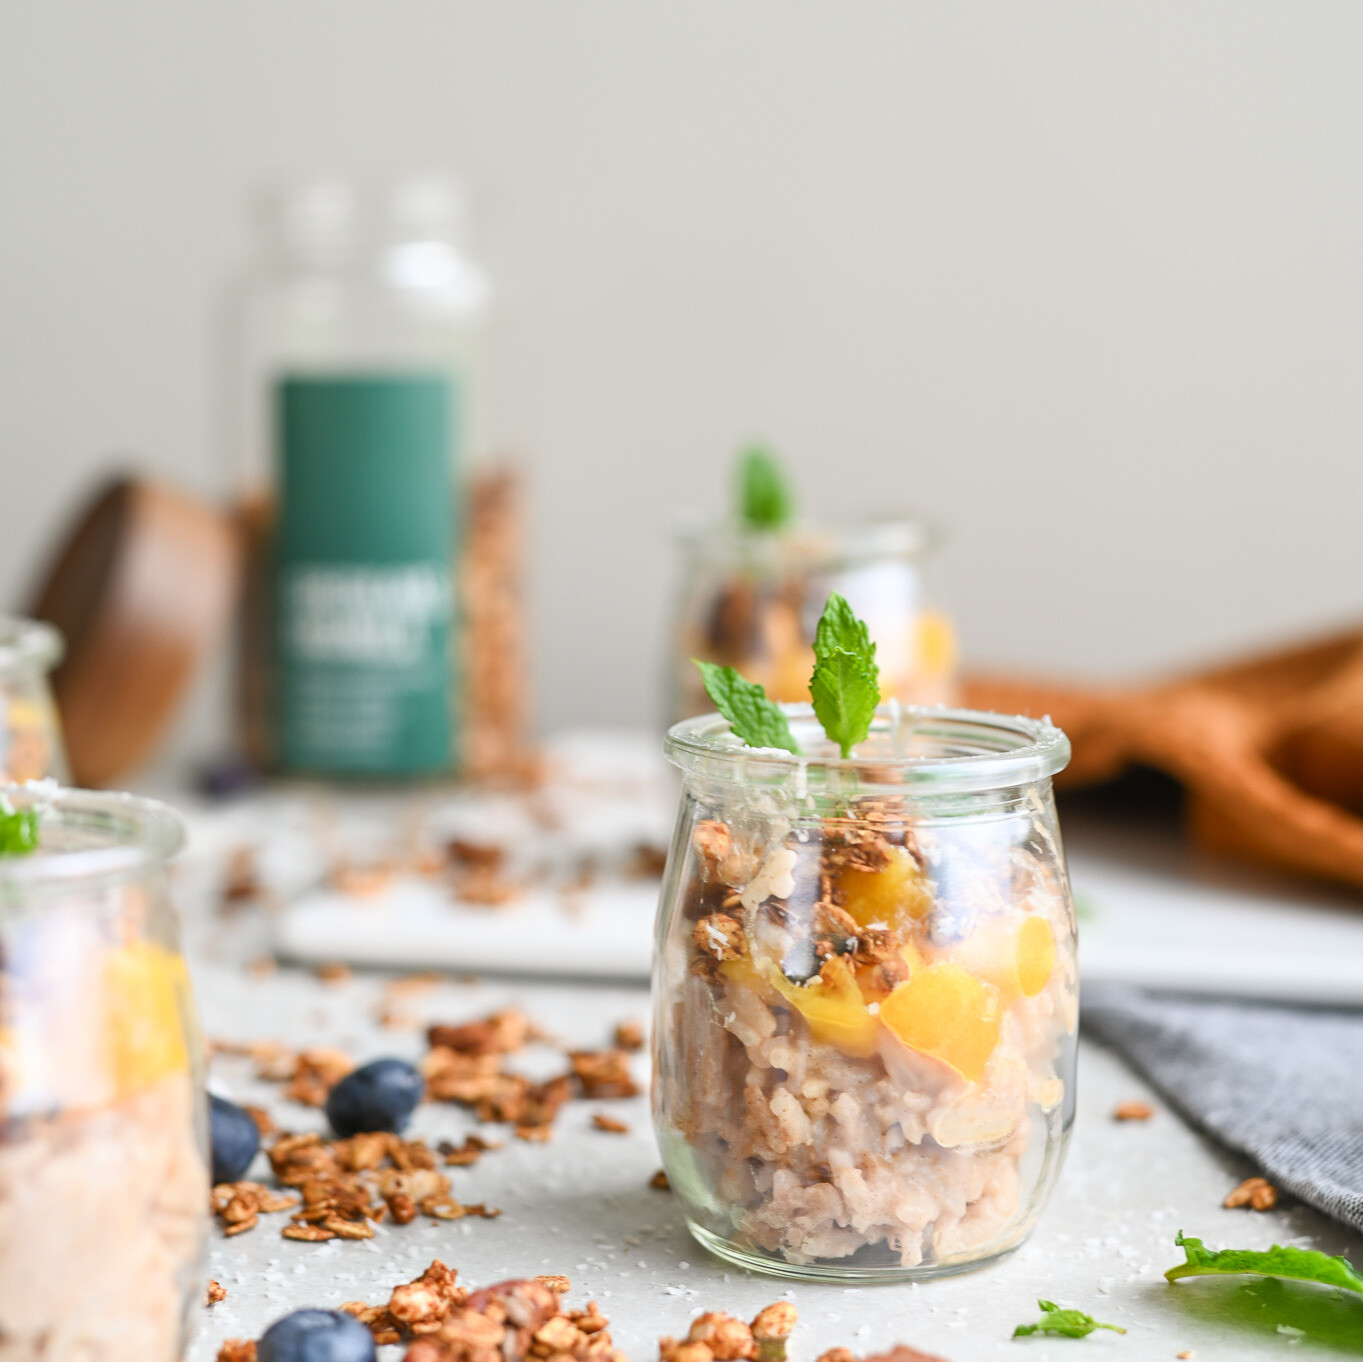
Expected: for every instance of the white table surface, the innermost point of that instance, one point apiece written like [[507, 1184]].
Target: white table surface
[[581, 1205]]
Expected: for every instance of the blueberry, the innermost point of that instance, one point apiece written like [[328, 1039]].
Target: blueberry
[[235, 1139], [316, 1336], [379, 1095]]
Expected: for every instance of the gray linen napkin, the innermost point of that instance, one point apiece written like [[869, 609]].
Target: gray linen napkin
[[1281, 1084]]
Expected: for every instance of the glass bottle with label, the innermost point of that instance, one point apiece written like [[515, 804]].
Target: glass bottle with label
[[362, 345]]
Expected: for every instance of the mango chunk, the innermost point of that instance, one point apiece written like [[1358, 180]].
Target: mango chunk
[[936, 644], [1036, 956], [146, 997], [832, 1005], [944, 1011], [891, 895]]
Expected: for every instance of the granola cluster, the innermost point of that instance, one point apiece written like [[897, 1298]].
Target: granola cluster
[[466, 1064], [524, 1320], [863, 1030], [718, 1337], [339, 1189], [346, 1187]]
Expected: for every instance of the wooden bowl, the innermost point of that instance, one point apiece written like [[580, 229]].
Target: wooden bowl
[[142, 589]]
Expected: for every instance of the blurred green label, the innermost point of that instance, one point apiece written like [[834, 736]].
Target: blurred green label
[[365, 563]]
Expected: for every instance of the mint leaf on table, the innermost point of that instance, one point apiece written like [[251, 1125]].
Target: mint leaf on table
[[845, 686], [1069, 1323], [764, 499], [18, 830], [1303, 1265], [753, 718]]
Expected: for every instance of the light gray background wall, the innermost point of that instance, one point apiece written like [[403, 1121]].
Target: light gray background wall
[[1082, 281]]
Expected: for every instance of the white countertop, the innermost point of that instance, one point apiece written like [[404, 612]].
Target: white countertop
[[581, 1205]]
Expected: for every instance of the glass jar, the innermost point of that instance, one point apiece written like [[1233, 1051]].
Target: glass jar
[[865, 993], [751, 600], [30, 737], [103, 1159]]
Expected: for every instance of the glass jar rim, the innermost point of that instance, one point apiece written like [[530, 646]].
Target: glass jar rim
[[28, 645], [855, 541], [978, 750], [129, 838]]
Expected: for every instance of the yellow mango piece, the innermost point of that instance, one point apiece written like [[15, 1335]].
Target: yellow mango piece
[[944, 1011], [1035, 955], [146, 992], [891, 895], [936, 644], [832, 1005]]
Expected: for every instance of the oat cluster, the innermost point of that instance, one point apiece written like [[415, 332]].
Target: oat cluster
[[524, 1320], [342, 1188], [467, 1064], [1257, 1193]]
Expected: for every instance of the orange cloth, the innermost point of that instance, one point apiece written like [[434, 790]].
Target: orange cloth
[[1270, 749]]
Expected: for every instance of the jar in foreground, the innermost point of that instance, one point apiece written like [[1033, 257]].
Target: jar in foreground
[[103, 1128], [751, 599], [30, 737], [865, 993]]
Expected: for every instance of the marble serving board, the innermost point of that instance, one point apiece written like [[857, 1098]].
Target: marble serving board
[[1152, 912]]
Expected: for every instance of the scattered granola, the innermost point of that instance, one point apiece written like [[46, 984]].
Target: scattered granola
[[265, 1123], [216, 1292], [502, 1033], [240, 879], [475, 855], [315, 1072], [487, 888], [718, 1337], [360, 881], [609, 1124], [524, 1319], [462, 1155], [1133, 1111], [603, 1073], [629, 1035], [507, 1322], [659, 1181], [335, 973], [344, 1188], [1257, 1193], [239, 1205]]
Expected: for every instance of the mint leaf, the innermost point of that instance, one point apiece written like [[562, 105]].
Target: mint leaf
[[764, 499], [754, 719], [839, 627], [1303, 1265], [845, 695], [1069, 1323], [845, 686], [18, 830]]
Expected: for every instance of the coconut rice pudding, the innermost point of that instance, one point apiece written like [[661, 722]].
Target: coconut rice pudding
[[866, 995], [103, 1176]]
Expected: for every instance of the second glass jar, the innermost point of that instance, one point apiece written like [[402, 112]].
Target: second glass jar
[[104, 1174], [866, 996], [751, 600]]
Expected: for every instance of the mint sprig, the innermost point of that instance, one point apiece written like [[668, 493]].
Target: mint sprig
[[1303, 1265], [18, 830], [753, 718], [764, 497], [1068, 1323], [839, 627], [845, 686]]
